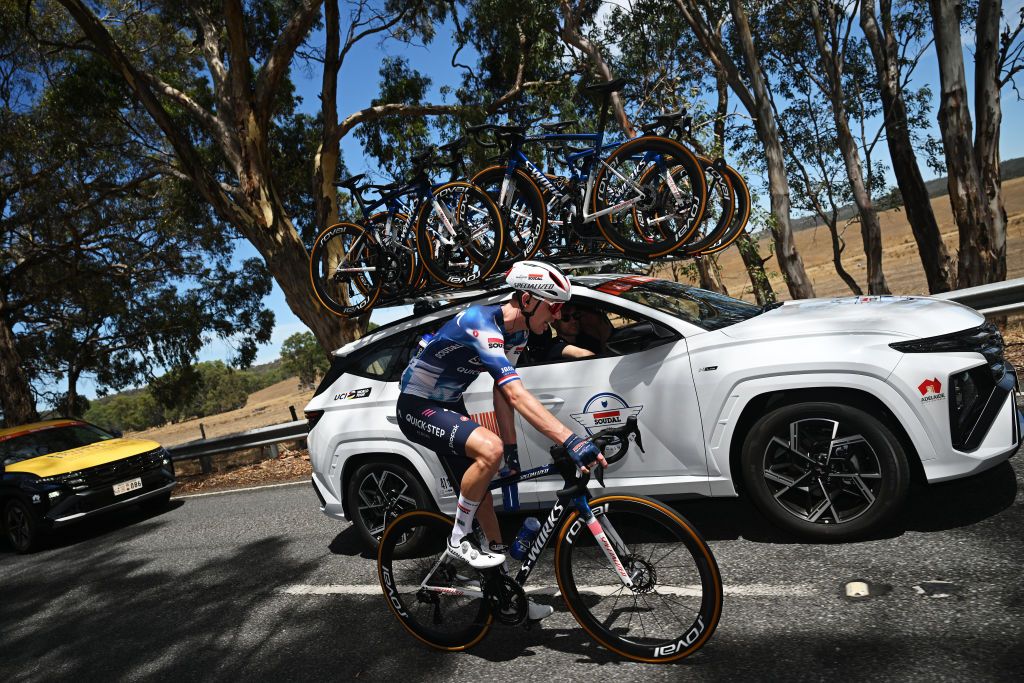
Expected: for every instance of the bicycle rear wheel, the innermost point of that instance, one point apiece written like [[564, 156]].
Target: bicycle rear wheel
[[439, 601], [523, 211], [459, 235], [676, 600], [344, 269], [653, 194], [741, 215]]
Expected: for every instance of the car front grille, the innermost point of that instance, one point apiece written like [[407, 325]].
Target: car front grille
[[114, 472]]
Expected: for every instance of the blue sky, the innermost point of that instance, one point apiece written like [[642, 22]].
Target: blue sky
[[358, 86]]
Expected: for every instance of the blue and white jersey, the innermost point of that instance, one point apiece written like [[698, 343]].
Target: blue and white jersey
[[468, 344]]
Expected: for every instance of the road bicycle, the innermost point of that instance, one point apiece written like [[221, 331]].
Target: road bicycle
[[728, 194], [451, 230], [615, 186], [636, 576]]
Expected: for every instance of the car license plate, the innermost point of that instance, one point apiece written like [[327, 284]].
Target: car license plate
[[126, 486]]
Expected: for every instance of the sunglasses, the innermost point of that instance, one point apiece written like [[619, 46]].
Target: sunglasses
[[555, 306], [574, 315]]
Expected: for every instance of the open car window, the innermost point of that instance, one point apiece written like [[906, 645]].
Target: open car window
[[604, 332]]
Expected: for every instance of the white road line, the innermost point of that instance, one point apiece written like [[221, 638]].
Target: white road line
[[749, 590], [251, 488]]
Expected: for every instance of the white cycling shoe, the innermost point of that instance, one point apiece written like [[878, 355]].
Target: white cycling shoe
[[537, 611], [474, 556]]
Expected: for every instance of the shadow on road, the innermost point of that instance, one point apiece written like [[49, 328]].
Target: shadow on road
[[96, 527]]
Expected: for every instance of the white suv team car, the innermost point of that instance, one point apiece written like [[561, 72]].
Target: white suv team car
[[821, 411]]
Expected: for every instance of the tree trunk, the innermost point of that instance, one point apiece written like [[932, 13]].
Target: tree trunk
[[870, 230], [763, 292], [935, 259], [709, 276], [790, 263], [988, 109], [837, 256], [979, 261], [71, 400], [571, 35], [16, 397]]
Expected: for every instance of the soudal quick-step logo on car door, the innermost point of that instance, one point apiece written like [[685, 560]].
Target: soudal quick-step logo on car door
[[605, 410]]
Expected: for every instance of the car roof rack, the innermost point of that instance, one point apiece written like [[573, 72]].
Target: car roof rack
[[438, 297]]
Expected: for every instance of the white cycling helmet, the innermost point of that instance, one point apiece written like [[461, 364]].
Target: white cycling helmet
[[540, 279]]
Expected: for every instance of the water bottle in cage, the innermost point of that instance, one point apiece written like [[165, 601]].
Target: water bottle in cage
[[509, 493], [521, 546]]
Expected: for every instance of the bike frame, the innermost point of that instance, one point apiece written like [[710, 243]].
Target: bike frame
[[604, 533], [586, 159]]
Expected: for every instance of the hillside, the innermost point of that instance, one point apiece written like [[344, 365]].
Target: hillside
[[938, 187], [900, 261], [268, 406]]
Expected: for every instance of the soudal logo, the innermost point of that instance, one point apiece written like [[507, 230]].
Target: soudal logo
[[495, 343], [605, 410], [535, 276], [931, 389]]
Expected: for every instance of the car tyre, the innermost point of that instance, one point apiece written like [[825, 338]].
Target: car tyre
[[21, 526], [379, 492], [825, 471]]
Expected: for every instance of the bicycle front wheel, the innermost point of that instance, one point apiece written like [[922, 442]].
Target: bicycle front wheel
[[675, 601], [344, 269], [459, 235], [439, 601]]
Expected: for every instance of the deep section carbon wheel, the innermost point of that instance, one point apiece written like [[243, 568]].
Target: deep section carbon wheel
[[675, 600], [438, 600]]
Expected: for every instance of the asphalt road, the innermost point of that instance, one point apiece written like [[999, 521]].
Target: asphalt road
[[259, 585]]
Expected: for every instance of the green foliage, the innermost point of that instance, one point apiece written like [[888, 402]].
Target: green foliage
[[112, 266], [207, 389], [393, 142], [303, 356]]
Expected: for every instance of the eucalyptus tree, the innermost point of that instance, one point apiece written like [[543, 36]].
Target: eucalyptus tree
[[748, 81], [972, 156], [110, 268], [225, 93], [898, 34], [814, 57], [832, 25]]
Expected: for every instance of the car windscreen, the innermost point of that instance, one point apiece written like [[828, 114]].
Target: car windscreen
[[50, 440], [703, 308]]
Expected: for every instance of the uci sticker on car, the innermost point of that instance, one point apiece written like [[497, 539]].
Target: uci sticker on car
[[355, 393], [605, 410]]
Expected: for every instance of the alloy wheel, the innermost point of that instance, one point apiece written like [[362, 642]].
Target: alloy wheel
[[383, 496], [821, 473]]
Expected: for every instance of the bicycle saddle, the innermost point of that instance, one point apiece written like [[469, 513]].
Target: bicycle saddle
[[608, 87], [351, 182], [558, 126], [453, 146]]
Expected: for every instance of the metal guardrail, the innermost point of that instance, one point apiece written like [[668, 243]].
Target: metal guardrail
[[997, 298], [237, 442]]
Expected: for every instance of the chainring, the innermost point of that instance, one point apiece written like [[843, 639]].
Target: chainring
[[507, 599]]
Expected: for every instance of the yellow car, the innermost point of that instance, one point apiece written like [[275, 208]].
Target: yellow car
[[59, 472]]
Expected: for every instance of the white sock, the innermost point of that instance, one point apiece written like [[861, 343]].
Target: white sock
[[465, 510]]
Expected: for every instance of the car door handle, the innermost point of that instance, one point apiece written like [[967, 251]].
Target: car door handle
[[547, 400], [393, 419]]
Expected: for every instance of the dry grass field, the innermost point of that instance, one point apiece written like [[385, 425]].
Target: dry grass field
[[900, 260], [266, 407]]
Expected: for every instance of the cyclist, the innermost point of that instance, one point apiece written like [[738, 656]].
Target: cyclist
[[431, 411]]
